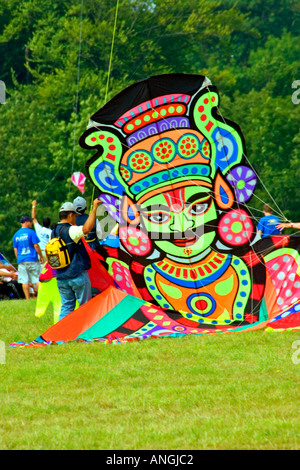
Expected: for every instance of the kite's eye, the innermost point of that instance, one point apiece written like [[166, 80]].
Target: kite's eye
[[200, 207], [188, 146], [158, 217]]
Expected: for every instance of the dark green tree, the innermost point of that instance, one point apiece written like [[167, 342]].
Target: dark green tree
[[59, 68]]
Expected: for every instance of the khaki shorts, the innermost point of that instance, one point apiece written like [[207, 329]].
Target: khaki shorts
[[29, 272]]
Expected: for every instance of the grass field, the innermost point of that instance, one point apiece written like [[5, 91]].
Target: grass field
[[231, 391]]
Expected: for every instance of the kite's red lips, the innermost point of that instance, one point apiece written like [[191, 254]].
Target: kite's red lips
[[184, 241]]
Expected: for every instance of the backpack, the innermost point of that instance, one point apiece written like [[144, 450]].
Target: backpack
[[57, 253]]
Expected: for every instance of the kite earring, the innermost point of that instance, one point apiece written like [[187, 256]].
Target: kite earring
[[129, 211], [236, 228], [134, 240], [223, 194]]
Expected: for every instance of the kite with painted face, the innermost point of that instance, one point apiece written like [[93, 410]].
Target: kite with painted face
[[172, 172]]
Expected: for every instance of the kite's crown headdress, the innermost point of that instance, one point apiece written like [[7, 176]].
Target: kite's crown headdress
[[139, 150], [154, 116], [177, 156]]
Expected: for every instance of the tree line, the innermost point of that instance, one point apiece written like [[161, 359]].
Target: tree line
[[58, 66]]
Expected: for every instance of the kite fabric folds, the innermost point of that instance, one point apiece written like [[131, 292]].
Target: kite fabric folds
[[173, 173]]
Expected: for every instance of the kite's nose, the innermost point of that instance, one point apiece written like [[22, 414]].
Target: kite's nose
[[181, 223]]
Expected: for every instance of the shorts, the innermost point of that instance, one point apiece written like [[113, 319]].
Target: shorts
[[29, 272]]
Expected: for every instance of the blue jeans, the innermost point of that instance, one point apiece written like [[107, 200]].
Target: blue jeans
[[70, 290]]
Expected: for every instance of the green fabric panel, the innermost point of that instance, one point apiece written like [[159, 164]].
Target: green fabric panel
[[263, 312], [114, 318]]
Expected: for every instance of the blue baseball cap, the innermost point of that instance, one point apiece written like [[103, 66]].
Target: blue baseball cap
[[25, 218]]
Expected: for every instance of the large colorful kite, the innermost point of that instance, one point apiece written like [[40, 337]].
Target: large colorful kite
[[173, 173]]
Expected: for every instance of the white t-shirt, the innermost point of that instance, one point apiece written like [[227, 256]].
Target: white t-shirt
[[43, 233], [75, 232]]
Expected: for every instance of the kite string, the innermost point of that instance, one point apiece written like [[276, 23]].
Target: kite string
[[77, 93], [279, 211], [106, 93], [109, 72], [111, 52]]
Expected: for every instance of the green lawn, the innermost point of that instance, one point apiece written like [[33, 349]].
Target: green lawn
[[231, 391]]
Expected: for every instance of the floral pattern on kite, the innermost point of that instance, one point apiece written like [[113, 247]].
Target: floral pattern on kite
[[172, 172]]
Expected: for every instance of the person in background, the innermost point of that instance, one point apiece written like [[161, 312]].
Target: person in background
[[43, 231], [27, 250], [9, 287], [73, 281], [267, 225], [8, 271], [80, 206]]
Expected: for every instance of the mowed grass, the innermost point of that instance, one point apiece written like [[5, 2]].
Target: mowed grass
[[229, 391]]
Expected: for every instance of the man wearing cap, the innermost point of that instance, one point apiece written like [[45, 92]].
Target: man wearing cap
[[27, 249], [267, 225], [95, 234], [73, 281]]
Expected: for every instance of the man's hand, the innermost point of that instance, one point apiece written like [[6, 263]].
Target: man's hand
[[6, 273], [8, 267], [89, 223], [33, 211], [96, 204]]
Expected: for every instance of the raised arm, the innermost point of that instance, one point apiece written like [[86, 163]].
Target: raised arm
[[89, 223], [288, 225], [33, 212]]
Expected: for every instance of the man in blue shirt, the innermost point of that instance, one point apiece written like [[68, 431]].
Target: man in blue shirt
[[267, 224], [27, 249]]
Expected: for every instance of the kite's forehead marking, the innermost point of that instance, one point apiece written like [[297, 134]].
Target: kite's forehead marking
[[175, 200], [198, 184]]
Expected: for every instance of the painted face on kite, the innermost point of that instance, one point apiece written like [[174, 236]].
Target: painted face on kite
[[171, 173], [178, 219], [181, 222]]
